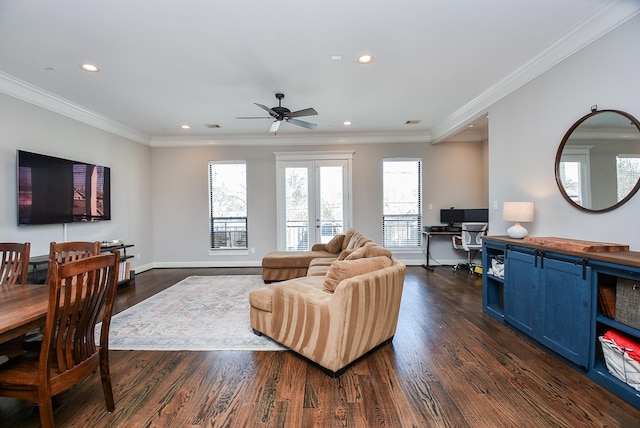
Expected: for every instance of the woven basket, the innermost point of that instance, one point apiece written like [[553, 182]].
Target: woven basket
[[628, 302]]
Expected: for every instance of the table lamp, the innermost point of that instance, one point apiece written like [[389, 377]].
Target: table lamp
[[518, 212]]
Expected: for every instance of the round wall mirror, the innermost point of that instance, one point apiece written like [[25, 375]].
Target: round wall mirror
[[598, 161]]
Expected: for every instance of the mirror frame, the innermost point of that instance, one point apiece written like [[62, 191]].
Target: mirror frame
[[594, 112]]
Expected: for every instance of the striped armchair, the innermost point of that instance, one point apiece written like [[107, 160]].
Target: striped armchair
[[333, 320]]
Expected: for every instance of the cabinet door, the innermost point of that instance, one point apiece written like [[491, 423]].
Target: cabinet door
[[566, 301], [521, 289]]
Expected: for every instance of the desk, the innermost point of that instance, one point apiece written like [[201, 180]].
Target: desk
[[22, 309], [427, 236]]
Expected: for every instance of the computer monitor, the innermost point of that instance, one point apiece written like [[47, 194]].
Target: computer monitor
[[451, 216], [480, 215], [455, 216]]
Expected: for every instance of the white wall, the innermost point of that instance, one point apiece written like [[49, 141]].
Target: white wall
[[454, 175], [526, 127], [28, 127]]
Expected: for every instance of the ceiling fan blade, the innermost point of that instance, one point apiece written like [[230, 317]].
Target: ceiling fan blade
[[254, 117], [302, 123], [305, 112], [271, 112], [275, 126]]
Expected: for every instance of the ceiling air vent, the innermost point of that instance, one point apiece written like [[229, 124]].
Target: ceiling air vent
[[211, 125]]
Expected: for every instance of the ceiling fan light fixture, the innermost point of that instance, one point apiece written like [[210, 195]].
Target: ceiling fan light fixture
[[365, 59]]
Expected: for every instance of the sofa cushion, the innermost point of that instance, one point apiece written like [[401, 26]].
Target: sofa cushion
[[343, 269], [335, 245], [320, 266], [292, 259]]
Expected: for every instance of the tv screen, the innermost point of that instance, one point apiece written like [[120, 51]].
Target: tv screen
[[53, 190]]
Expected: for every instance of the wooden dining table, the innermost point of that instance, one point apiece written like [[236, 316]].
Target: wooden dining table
[[22, 308]]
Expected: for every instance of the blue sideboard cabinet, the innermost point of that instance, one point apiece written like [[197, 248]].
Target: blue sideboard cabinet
[[551, 295]]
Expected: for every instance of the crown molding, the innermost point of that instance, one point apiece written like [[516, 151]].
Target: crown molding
[[298, 139], [24, 91], [610, 15]]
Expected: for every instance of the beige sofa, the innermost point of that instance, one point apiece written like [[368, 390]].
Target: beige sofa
[[281, 265], [339, 311]]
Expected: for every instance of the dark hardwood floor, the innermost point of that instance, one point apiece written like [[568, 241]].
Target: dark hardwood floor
[[449, 366]]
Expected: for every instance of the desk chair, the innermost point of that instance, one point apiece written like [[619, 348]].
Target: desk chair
[[14, 269], [470, 240], [69, 353]]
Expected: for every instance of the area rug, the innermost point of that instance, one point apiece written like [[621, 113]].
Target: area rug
[[200, 313]]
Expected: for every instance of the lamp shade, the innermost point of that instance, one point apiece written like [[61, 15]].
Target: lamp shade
[[518, 211]]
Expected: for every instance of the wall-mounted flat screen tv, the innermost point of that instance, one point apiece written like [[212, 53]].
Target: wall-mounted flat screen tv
[[53, 190]]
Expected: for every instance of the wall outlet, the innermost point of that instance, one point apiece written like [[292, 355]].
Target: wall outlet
[[138, 256]]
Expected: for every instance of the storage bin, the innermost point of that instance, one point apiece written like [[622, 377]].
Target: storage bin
[[620, 364], [628, 302]]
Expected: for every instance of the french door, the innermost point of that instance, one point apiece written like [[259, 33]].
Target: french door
[[314, 201]]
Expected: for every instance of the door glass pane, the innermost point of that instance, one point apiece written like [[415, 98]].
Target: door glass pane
[[331, 202], [297, 208]]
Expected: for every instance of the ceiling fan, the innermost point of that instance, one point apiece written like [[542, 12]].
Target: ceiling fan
[[280, 114]]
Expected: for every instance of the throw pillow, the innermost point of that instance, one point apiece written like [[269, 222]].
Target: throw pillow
[[344, 269], [374, 250], [347, 237], [335, 244], [345, 253], [358, 253]]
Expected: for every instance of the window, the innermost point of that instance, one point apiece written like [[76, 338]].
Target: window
[[628, 172], [228, 205], [402, 212]]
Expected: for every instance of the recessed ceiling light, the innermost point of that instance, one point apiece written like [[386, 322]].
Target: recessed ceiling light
[[347, 123], [365, 59], [336, 57], [185, 127], [90, 68]]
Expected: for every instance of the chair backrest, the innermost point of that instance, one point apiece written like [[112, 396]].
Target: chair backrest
[[472, 235], [64, 252], [14, 265], [74, 310]]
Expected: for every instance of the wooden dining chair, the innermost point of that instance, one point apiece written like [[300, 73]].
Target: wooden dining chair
[[69, 353], [14, 269], [61, 252], [14, 265], [64, 252]]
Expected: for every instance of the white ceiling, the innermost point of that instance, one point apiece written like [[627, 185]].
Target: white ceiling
[[168, 63]]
